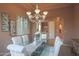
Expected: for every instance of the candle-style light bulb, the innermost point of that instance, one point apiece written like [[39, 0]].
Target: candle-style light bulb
[[37, 11], [36, 6]]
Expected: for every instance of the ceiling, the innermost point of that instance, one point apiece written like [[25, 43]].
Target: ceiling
[[43, 7]]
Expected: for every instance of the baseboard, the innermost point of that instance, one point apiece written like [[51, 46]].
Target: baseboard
[[5, 54], [69, 45]]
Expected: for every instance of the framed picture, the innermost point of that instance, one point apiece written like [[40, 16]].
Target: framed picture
[[4, 22]]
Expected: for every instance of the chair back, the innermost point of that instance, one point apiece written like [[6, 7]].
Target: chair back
[[58, 43], [17, 40]]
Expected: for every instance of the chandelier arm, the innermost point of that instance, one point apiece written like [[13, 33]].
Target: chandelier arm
[[37, 17], [33, 21]]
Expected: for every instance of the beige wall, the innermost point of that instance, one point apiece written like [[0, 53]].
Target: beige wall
[[76, 22], [14, 10], [66, 13]]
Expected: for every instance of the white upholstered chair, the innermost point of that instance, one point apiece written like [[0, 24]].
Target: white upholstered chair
[[16, 49], [58, 43], [17, 40], [75, 46], [18, 46], [53, 51]]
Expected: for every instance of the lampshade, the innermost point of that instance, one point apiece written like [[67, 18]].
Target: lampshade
[[28, 13], [45, 12], [37, 11]]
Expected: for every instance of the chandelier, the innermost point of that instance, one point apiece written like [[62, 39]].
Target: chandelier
[[37, 17]]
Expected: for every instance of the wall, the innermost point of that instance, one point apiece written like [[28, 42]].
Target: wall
[[76, 21], [66, 13], [12, 10]]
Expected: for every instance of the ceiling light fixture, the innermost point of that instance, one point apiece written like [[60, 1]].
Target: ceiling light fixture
[[37, 16]]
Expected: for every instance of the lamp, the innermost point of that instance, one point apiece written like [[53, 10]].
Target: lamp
[[37, 17]]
